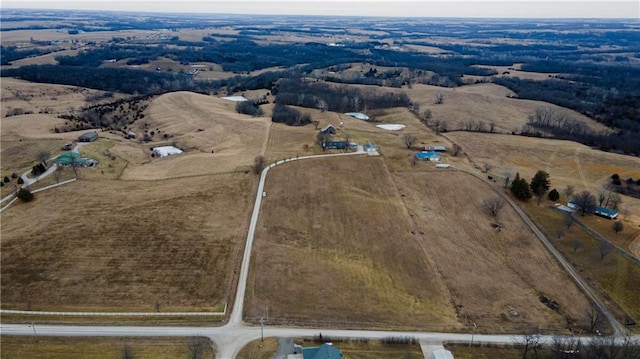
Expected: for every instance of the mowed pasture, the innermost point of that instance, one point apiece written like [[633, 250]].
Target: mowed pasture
[[484, 102], [496, 277], [103, 245], [334, 246], [566, 162]]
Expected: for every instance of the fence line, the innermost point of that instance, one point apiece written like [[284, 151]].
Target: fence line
[[116, 314]]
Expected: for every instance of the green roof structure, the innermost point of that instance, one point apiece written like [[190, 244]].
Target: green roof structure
[[67, 158]]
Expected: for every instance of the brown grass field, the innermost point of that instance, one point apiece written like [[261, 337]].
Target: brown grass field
[[98, 348], [491, 273], [322, 240], [332, 245], [566, 162], [123, 245], [484, 102], [171, 230], [215, 138]]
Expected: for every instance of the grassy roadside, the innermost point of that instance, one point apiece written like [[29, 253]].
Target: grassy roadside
[[259, 350], [461, 351], [613, 275], [163, 321], [101, 348]]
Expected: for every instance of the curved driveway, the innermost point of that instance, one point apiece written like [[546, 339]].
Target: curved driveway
[[232, 337]]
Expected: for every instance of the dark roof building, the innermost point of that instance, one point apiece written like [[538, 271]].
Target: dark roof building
[[328, 129], [88, 137]]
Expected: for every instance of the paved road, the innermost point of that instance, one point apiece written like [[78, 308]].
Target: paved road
[[232, 337]]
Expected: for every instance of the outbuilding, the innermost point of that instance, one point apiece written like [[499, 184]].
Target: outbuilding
[[88, 137], [428, 156], [358, 115], [442, 354], [328, 130]]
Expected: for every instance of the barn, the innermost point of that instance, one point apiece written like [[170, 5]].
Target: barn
[[328, 129], [88, 137]]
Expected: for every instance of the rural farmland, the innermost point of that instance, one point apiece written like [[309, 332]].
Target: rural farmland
[[244, 178]]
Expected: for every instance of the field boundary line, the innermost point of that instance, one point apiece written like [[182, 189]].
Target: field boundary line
[[36, 191], [116, 314]]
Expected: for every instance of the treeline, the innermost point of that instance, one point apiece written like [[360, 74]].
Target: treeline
[[548, 123], [289, 116], [110, 79], [616, 107], [11, 53], [322, 96], [241, 55]]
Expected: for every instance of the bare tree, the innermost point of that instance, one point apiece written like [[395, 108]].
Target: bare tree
[[630, 348], [43, 156], [127, 353], [456, 149], [258, 164], [595, 318], [603, 193], [567, 221], [58, 173], [530, 341], [600, 347], [605, 248], [586, 202], [427, 114], [565, 346], [617, 226], [560, 233], [439, 98], [74, 163], [492, 205], [576, 244], [197, 348], [347, 140], [409, 140], [487, 167], [568, 191], [614, 200]]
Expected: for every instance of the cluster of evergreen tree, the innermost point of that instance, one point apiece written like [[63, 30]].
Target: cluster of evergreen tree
[[538, 186], [520, 188]]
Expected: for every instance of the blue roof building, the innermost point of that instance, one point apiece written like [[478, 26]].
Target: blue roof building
[[600, 211], [325, 351], [428, 156]]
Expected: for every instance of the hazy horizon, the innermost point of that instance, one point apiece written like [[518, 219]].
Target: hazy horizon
[[384, 8]]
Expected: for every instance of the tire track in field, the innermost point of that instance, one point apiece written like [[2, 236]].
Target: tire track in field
[[576, 159]]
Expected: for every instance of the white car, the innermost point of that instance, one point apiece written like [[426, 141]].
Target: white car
[[264, 194]]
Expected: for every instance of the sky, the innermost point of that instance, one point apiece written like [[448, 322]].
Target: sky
[[411, 8]]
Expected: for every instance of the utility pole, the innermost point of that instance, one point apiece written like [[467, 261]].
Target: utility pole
[[262, 329], [473, 332]]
